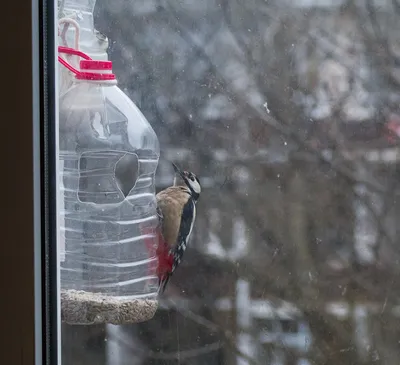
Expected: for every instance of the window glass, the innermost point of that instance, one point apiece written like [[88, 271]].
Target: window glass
[[288, 113]]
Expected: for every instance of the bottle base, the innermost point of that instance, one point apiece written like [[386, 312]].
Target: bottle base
[[85, 308]]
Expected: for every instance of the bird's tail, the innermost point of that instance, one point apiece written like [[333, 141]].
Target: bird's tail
[[162, 283]]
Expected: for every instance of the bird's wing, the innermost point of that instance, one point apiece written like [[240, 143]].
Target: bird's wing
[[185, 229]]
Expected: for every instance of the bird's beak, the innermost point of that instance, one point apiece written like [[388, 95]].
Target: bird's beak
[[177, 170]]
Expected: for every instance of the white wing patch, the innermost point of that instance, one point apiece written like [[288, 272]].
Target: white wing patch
[[191, 226], [183, 245]]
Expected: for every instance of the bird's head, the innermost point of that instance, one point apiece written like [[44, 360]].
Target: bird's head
[[190, 180]]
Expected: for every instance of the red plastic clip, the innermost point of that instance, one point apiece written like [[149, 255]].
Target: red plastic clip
[[87, 64]]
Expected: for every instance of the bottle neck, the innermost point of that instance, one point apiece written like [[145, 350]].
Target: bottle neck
[[97, 82]]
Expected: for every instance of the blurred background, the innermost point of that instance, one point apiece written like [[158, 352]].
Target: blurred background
[[289, 112]]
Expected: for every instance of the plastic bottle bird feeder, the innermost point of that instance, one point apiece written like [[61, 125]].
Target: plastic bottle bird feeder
[[108, 158]]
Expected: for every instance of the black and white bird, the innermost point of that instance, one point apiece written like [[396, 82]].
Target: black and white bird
[[176, 206]]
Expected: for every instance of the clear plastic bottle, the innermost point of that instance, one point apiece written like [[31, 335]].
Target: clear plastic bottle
[[108, 158]]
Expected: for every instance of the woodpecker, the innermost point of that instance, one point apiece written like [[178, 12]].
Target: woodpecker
[[176, 207]]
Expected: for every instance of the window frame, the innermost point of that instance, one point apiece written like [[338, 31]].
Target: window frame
[[28, 261]]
